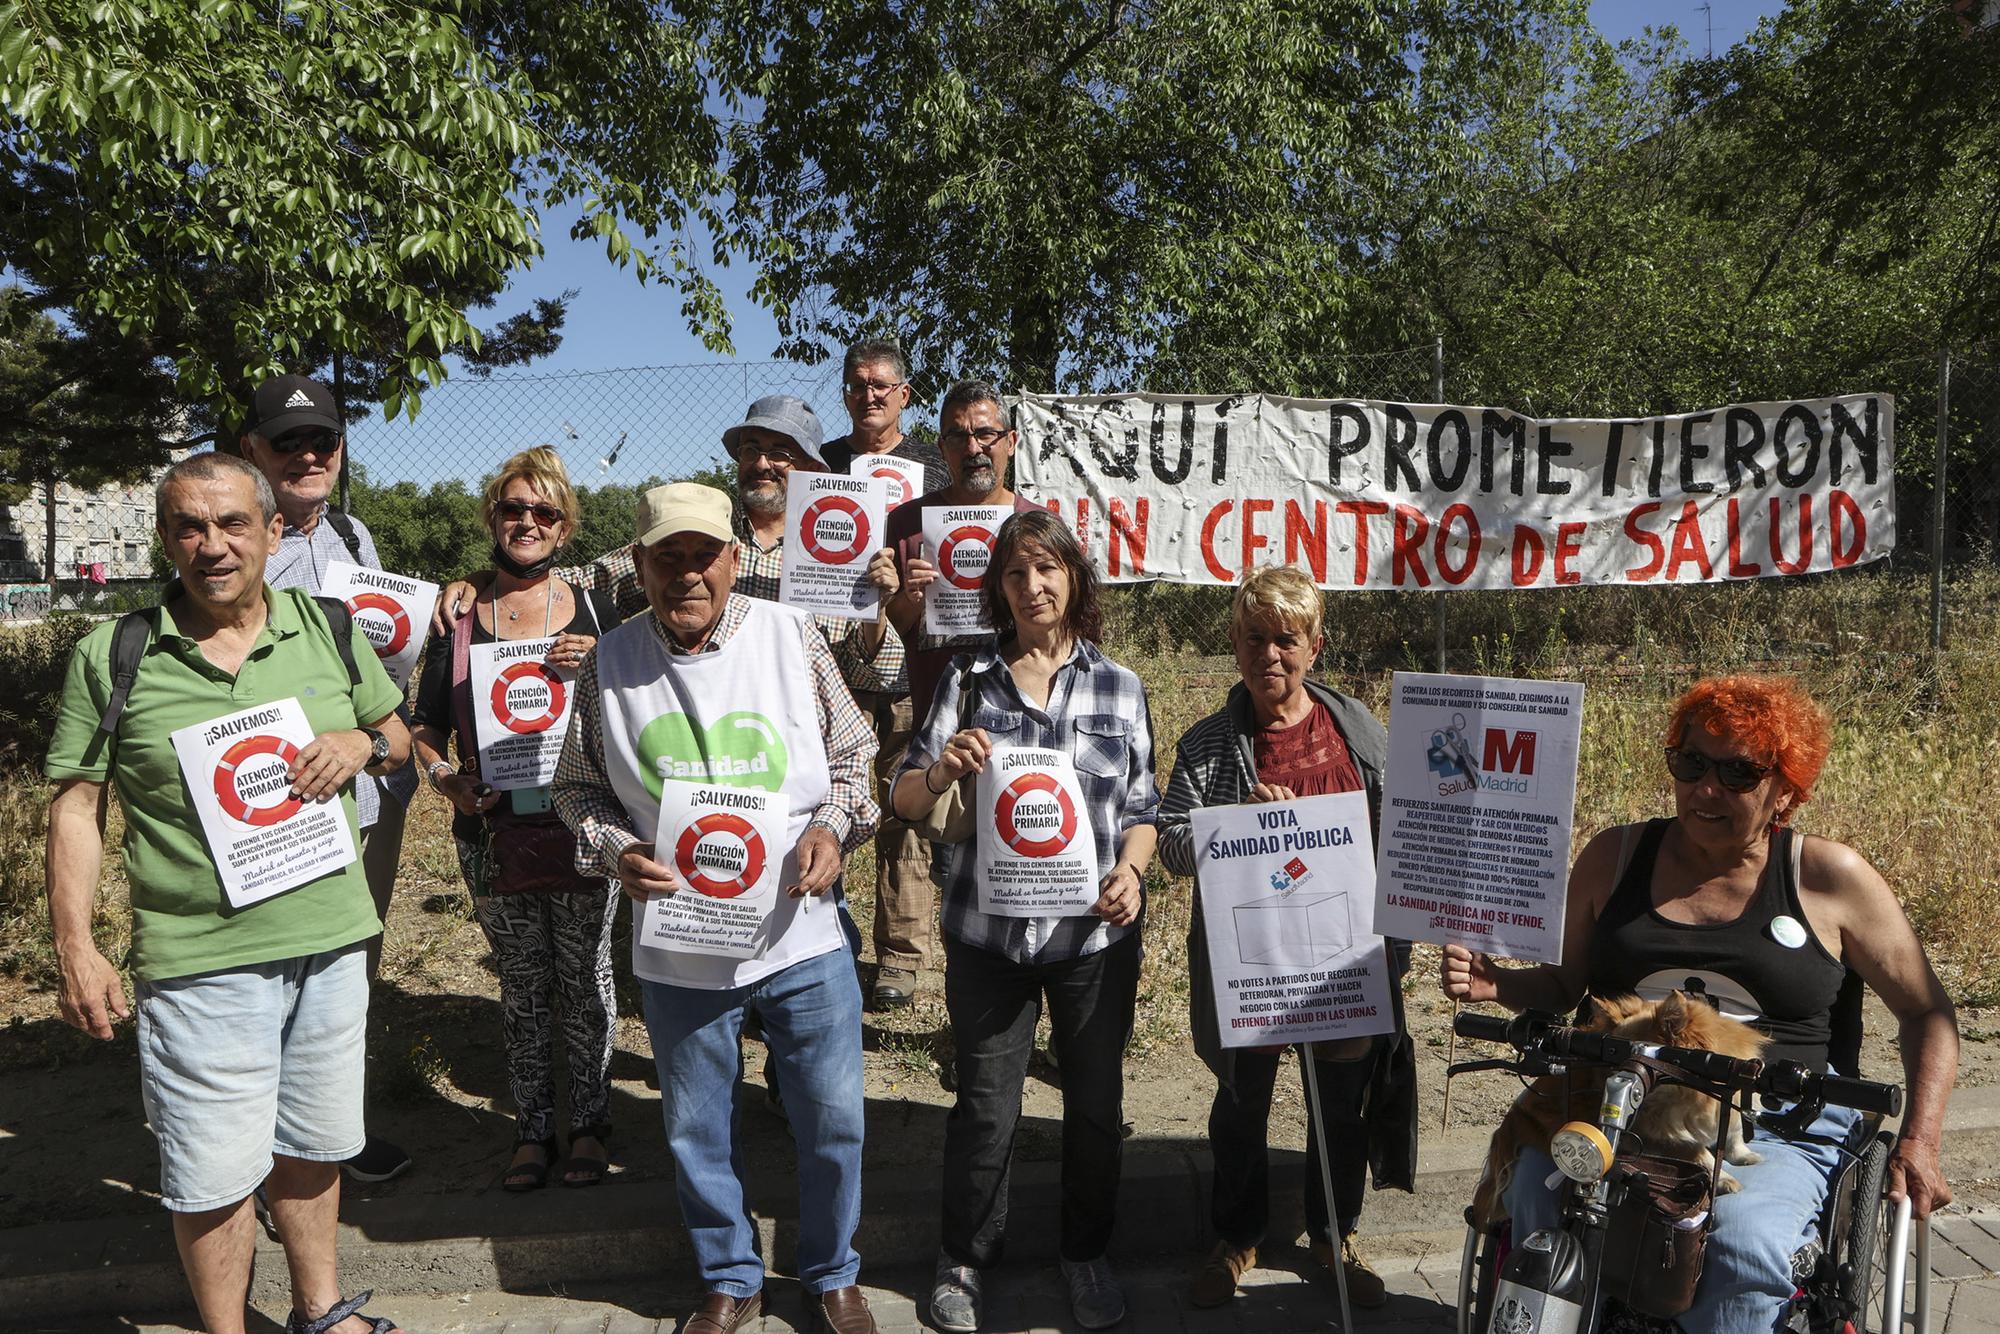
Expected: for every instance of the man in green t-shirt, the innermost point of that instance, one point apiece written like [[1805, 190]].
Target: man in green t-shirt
[[234, 761]]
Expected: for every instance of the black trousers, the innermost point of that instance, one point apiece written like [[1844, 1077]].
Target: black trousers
[[1238, 1126], [994, 1004]]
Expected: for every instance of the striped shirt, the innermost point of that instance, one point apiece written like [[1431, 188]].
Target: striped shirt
[[300, 562], [590, 806], [759, 570], [1097, 714]]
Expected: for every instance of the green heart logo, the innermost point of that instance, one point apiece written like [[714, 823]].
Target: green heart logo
[[740, 749]]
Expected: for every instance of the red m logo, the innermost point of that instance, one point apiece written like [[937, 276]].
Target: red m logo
[[1509, 754]]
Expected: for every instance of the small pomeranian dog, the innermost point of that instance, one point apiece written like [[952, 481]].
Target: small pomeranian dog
[[1673, 1122]]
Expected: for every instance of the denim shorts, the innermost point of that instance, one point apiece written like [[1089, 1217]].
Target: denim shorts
[[243, 1063]]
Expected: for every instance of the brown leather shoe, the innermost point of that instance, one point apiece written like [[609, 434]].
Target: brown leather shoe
[[720, 1313], [1216, 1278], [841, 1310]]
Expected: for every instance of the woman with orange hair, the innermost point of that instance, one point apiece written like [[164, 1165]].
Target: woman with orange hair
[[1727, 900]]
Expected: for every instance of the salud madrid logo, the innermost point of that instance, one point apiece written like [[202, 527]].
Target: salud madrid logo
[[1290, 876], [1505, 762], [250, 773], [740, 749]]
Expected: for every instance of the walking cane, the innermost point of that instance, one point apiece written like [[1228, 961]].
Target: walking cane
[[1450, 1059], [1326, 1180]]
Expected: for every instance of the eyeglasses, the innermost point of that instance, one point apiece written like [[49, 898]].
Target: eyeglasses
[[296, 442], [546, 515], [1735, 773], [864, 388], [987, 436]]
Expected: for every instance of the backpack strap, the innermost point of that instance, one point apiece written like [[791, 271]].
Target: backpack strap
[[340, 621], [128, 647], [459, 685], [343, 525]]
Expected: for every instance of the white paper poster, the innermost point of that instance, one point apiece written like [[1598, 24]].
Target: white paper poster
[[833, 528], [725, 845], [1037, 852], [958, 540], [263, 840], [1287, 899], [520, 712], [393, 612], [1477, 806], [903, 477]]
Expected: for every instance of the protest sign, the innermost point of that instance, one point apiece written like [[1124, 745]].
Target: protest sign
[[1287, 898], [833, 527], [958, 540], [1037, 852], [1369, 494], [1477, 805], [726, 846], [263, 840], [903, 478], [520, 712], [393, 612]]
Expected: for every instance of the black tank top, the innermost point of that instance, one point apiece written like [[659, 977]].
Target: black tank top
[[1745, 966]]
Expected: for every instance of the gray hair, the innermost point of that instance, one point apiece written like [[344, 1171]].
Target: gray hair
[[214, 467], [965, 393], [871, 350]]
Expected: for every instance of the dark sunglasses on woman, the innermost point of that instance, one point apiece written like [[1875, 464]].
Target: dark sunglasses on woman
[[1735, 773], [546, 515]]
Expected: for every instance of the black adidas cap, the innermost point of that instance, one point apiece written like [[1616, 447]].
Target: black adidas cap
[[284, 403]]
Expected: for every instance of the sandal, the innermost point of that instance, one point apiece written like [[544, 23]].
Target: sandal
[[524, 1177], [342, 1309], [580, 1170]]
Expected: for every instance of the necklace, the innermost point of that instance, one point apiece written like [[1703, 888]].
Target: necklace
[[548, 611]]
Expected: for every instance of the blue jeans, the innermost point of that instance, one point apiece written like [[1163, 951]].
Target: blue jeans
[[1746, 1276], [811, 1014]]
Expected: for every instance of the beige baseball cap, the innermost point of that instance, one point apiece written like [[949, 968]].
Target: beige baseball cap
[[683, 507]]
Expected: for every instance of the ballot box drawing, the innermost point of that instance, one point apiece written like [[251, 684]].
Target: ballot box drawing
[[1293, 930]]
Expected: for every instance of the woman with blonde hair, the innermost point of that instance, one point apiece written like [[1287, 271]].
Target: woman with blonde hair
[[549, 928]]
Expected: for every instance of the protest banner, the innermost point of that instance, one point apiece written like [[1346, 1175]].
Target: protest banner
[[903, 478], [520, 712], [833, 527], [392, 611], [1476, 812], [1368, 494], [958, 540], [1288, 899], [726, 846], [1037, 852], [262, 839]]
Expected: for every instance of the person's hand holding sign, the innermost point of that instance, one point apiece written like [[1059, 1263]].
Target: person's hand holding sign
[[1466, 976], [906, 608], [1270, 792], [643, 878], [819, 862], [328, 761], [882, 573], [1121, 898], [568, 650]]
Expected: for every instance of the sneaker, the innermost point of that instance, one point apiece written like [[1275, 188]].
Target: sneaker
[[895, 988], [1095, 1298], [379, 1160], [1215, 1279], [1365, 1287], [955, 1296]]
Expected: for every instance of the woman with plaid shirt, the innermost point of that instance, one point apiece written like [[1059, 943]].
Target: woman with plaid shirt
[[1045, 684]]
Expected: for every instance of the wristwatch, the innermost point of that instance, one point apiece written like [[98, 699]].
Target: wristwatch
[[378, 747]]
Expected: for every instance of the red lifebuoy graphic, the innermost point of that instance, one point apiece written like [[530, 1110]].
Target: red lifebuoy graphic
[[834, 504], [1027, 844], [507, 717], [399, 620], [225, 780], [899, 485], [726, 825], [971, 532]]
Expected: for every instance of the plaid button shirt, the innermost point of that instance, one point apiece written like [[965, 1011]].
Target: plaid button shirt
[[615, 576], [1097, 714], [589, 805]]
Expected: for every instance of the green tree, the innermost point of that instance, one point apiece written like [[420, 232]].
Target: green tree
[[1061, 191]]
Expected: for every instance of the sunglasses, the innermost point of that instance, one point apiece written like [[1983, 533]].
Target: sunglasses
[[294, 442], [1735, 773], [546, 515]]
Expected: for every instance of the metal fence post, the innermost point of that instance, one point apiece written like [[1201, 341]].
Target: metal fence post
[[340, 414], [1437, 396], [1937, 498]]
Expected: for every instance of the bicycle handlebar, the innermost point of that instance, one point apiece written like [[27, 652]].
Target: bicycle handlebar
[[1547, 1037]]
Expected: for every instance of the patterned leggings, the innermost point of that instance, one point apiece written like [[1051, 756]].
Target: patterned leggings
[[547, 946]]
